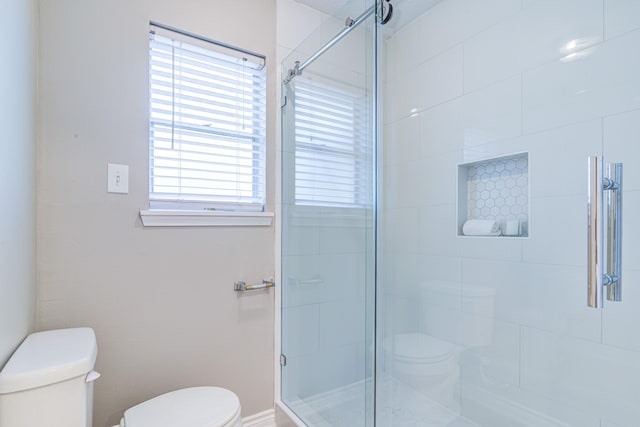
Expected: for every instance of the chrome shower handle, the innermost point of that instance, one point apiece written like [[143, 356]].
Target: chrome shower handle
[[597, 278], [594, 233], [613, 185]]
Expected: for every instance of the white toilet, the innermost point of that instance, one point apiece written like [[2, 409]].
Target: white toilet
[[452, 319], [49, 382]]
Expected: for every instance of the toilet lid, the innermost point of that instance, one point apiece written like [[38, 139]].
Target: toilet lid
[[189, 407]]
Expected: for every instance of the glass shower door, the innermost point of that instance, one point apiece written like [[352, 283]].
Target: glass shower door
[[327, 226], [491, 112]]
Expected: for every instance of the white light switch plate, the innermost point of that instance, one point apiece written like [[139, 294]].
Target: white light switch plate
[[117, 178]]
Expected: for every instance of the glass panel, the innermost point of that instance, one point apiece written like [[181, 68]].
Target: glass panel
[[493, 330], [328, 228]]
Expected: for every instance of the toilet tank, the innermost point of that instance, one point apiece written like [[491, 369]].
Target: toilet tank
[[48, 381], [464, 315]]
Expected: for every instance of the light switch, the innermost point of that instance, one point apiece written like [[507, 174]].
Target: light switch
[[117, 178]]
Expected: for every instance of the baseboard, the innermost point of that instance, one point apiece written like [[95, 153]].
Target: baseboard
[[285, 417], [262, 419]]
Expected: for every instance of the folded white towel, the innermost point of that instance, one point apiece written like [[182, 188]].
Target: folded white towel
[[481, 227]]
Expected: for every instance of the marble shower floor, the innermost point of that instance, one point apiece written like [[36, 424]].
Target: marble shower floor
[[398, 405]]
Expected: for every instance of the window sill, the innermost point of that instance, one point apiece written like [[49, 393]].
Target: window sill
[[175, 218]]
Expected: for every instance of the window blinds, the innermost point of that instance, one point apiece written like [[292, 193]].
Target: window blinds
[[207, 128], [332, 158]]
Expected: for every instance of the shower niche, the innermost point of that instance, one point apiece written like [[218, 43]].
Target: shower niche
[[493, 197]]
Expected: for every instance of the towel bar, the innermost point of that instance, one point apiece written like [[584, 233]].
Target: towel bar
[[240, 286]]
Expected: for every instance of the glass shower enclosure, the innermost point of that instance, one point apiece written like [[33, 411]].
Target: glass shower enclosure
[[460, 194], [328, 208]]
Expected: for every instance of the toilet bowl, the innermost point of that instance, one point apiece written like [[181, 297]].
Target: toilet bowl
[[189, 407], [427, 364]]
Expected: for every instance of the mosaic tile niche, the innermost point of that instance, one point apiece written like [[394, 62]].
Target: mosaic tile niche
[[495, 189]]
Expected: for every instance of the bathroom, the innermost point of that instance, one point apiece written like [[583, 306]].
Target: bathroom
[[461, 86]]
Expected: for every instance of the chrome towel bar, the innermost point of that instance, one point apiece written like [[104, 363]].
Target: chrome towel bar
[[240, 286]]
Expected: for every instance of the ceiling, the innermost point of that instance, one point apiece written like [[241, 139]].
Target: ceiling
[[326, 6], [404, 12]]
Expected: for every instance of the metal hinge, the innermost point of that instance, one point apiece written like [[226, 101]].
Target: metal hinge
[[283, 360]]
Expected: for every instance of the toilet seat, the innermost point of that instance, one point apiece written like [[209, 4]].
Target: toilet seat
[[419, 348], [421, 355], [189, 407]]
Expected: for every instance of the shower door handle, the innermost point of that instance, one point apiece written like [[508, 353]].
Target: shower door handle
[[614, 231], [594, 234], [600, 276]]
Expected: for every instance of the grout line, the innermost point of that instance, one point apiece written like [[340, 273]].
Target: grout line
[[520, 355], [603, 19], [463, 68], [602, 135], [521, 104], [602, 327]]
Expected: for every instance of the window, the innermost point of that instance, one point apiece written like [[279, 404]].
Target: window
[[332, 158], [207, 124]]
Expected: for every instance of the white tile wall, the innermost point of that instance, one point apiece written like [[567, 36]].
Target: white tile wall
[[403, 223], [557, 231], [497, 362], [434, 180], [564, 311], [621, 136], [442, 75], [618, 316], [568, 368], [530, 38], [631, 230], [596, 82], [453, 21], [332, 368], [437, 234], [402, 50], [496, 249], [431, 181], [320, 278], [493, 113], [442, 129], [549, 166], [342, 240], [344, 315], [558, 80], [304, 323], [302, 237], [504, 277], [620, 16], [401, 140]]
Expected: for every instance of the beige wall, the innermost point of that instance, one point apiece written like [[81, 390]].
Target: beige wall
[[17, 174], [160, 300]]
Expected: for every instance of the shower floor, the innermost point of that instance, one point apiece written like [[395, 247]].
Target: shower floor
[[398, 405]]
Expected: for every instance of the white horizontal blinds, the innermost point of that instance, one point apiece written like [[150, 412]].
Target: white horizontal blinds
[[332, 158], [207, 128]]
